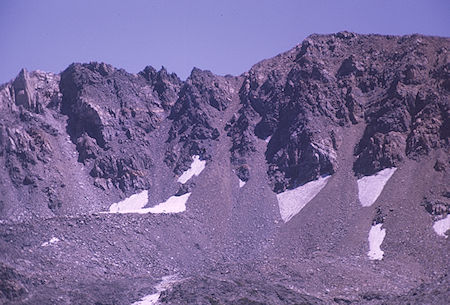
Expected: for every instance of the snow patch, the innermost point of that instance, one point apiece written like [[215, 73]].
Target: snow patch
[[175, 204], [197, 166], [267, 140], [376, 237], [241, 183], [136, 203], [291, 202], [152, 299], [370, 187], [51, 241], [130, 204], [442, 226]]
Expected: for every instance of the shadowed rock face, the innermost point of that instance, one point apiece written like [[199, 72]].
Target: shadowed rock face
[[411, 115], [11, 284], [345, 105], [110, 113], [233, 291], [395, 86], [197, 117]]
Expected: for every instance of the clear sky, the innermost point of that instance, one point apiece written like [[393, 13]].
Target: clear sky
[[224, 36]]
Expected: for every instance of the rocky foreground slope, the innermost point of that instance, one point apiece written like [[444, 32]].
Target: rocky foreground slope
[[277, 186]]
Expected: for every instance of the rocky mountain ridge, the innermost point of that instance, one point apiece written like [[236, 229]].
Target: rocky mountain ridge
[[343, 107], [395, 86]]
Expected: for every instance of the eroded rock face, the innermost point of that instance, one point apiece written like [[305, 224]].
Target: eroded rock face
[[26, 133], [11, 287], [437, 201], [305, 98], [110, 113], [301, 103], [410, 117], [166, 85], [209, 290], [24, 148], [35, 90], [197, 117]]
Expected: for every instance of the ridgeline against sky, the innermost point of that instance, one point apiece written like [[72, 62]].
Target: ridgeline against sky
[[226, 37]]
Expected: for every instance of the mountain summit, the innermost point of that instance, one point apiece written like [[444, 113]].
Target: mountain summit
[[319, 176]]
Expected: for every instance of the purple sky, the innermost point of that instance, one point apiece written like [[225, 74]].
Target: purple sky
[[224, 36]]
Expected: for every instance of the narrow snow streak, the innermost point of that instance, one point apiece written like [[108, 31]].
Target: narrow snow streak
[[130, 204], [291, 202], [51, 241], [370, 187], [152, 299], [135, 204], [442, 226], [376, 237], [197, 166], [241, 183]]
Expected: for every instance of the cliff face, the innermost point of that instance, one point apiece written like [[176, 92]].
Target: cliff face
[[343, 105], [109, 113], [395, 88]]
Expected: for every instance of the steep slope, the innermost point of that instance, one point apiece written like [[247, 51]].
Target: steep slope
[[280, 180], [301, 100], [76, 146]]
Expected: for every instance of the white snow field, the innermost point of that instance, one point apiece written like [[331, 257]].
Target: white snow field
[[376, 237], [51, 241], [370, 187], [135, 204], [197, 166], [175, 204], [152, 299], [291, 202], [241, 183], [442, 226], [128, 205]]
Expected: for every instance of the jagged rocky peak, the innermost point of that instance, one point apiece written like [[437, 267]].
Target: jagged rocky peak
[[25, 133], [198, 116], [164, 84], [34, 91], [206, 88], [304, 99], [111, 95], [23, 94], [111, 112], [393, 90]]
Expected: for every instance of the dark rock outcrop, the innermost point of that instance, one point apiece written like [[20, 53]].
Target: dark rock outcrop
[[11, 285], [208, 290], [409, 116], [110, 113], [305, 98], [197, 117]]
